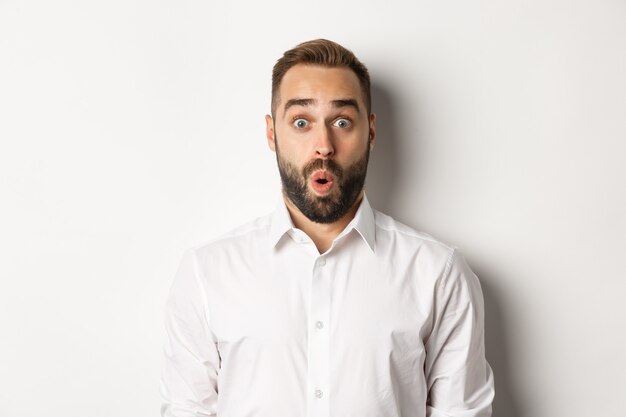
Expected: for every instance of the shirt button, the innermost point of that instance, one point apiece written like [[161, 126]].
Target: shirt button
[[319, 393], [321, 262], [319, 324]]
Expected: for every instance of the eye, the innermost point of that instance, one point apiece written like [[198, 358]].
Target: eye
[[300, 123], [342, 123]]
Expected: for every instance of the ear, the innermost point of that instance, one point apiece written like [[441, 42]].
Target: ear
[[372, 137], [269, 132]]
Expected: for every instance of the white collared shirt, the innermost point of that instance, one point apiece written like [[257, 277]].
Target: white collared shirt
[[388, 322]]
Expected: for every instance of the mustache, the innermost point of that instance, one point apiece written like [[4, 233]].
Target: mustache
[[324, 164]]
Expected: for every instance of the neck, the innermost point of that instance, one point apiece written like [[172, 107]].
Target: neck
[[322, 234]]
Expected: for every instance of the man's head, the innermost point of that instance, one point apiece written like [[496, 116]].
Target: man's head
[[321, 128]]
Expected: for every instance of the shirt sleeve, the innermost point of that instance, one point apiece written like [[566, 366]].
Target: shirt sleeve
[[460, 381], [191, 363]]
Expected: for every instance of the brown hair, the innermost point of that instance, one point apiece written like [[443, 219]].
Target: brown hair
[[325, 53]]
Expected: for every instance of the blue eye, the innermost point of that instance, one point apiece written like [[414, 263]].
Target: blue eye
[[342, 123], [300, 123]]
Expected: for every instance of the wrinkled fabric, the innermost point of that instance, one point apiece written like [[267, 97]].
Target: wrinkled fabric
[[388, 322]]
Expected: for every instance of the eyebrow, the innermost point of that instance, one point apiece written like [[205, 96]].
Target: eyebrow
[[345, 102], [299, 102]]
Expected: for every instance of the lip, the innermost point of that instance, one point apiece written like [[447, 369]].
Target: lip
[[322, 175]]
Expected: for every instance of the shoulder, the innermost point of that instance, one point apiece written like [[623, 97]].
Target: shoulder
[[391, 231], [440, 266]]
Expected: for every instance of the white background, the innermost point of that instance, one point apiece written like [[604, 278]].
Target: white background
[[132, 130]]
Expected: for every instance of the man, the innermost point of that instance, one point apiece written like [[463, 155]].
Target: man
[[325, 307]]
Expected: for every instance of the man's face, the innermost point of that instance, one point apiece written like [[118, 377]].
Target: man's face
[[322, 134]]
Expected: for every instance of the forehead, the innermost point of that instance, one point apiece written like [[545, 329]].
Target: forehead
[[321, 83]]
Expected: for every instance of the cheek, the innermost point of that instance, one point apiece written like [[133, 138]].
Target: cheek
[[296, 152], [291, 158], [352, 150]]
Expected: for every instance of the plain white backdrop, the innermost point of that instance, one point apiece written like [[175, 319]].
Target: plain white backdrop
[[132, 130]]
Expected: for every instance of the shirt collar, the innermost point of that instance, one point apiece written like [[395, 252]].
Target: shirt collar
[[363, 222], [281, 222]]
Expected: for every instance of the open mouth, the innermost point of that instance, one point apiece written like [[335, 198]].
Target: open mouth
[[322, 181]]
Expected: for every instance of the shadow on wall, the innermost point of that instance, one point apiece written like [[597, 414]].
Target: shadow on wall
[[496, 333], [382, 180], [382, 170]]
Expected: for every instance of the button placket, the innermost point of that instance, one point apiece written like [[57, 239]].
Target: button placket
[[319, 340]]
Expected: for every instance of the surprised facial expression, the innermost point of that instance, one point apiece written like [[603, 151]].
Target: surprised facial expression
[[322, 135]]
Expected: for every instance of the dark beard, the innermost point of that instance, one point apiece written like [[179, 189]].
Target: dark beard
[[349, 183]]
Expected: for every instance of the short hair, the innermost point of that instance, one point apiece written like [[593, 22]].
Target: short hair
[[324, 53]]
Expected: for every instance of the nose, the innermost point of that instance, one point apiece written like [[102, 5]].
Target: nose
[[324, 145]]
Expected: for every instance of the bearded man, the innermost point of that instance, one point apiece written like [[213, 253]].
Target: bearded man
[[326, 307]]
